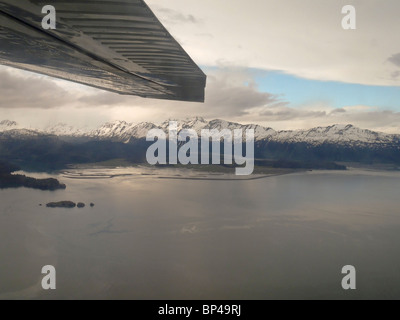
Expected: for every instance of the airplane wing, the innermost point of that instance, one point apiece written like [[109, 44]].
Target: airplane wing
[[118, 46]]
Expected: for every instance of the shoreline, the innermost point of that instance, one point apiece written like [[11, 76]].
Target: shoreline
[[245, 178], [185, 173]]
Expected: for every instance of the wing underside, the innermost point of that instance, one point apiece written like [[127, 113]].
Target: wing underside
[[118, 46]]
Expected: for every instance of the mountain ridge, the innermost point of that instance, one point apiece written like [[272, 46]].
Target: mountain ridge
[[122, 131]]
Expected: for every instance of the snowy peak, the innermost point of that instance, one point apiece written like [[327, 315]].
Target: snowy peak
[[21, 134], [11, 129], [196, 123], [219, 124], [63, 129], [122, 131], [140, 130], [165, 125], [337, 133], [8, 125], [260, 132], [116, 130]]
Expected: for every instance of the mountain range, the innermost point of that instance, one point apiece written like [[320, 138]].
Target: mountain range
[[59, 145], [122, 131]]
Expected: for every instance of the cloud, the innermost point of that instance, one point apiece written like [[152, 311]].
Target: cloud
[[387, 121], [395, 59], [175, 17], [302, 38], [20, 89], [338, 110], [232, 92], [105, 99], [395, 74], [30, 91], [229, 92], [286, 113]]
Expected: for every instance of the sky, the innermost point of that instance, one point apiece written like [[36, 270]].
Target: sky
[[284, 64]]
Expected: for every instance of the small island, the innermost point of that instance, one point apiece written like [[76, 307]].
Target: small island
[[67, 204], [61, 204], [9, 180]]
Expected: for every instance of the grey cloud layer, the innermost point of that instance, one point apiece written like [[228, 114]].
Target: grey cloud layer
[[303, 38], [231, 94], [226, 95], [30, 92], [395, 59], [285, 113]]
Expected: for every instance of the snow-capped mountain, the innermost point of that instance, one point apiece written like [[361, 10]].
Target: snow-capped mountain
[[63, 129], [260, 132], [116, 131], [140, 130], [341, 134], [196, 123], [12, 129], [7, 125], [60, 145], [20, 133], [122, 131]]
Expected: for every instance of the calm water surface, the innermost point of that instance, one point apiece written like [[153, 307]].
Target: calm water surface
[[148, 238]]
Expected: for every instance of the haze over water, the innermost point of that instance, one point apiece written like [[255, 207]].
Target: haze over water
[[284, 236]]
